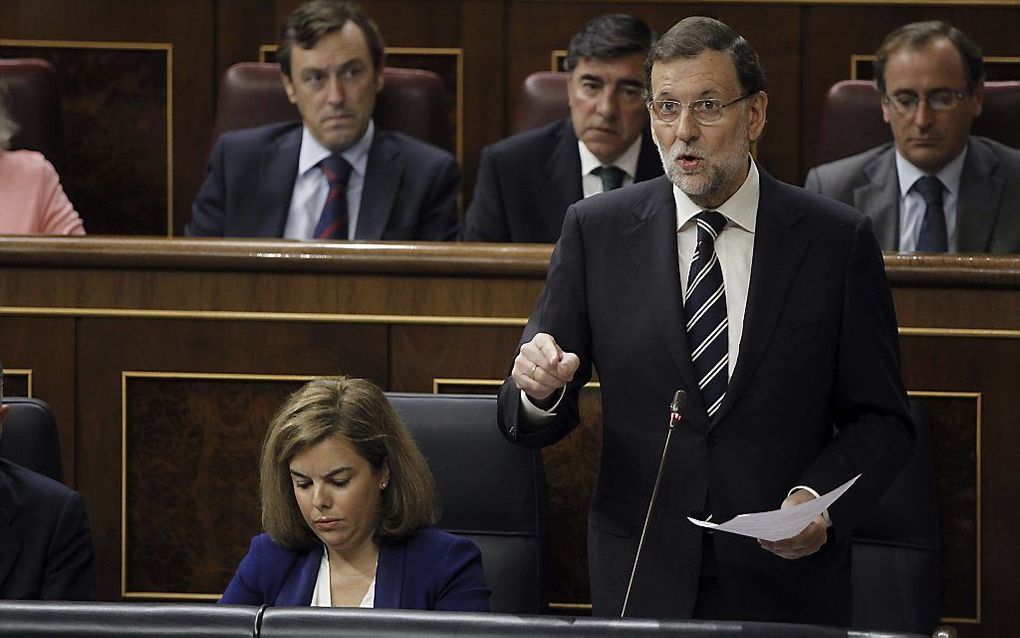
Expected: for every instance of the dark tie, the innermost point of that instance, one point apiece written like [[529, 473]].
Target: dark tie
[[705, 312], [332, 222], [612, 177], [933, 237]]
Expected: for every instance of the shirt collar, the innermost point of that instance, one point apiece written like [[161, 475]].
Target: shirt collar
[[949, 175], [741, 208], [627, 160], [312, 152]]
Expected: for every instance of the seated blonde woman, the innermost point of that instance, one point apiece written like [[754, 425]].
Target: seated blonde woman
[[347, 504], [32, 201]]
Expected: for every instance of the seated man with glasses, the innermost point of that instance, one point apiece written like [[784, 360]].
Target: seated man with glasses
[[526, 181], [936, 188]]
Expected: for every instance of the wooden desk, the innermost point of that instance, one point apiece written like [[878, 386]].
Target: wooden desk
[[164, 359]]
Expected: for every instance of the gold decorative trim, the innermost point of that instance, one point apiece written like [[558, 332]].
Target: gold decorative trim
[[554, 56], [981, 333], [571, 606], [438, 382], [977, 397], [19, 372], [870, 57], [437, 51], [166, 47], [249, 315], [139, 374]]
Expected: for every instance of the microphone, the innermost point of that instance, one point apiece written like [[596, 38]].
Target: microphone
[[676, 415]]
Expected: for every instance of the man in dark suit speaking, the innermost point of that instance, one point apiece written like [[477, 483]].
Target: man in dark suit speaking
[[334, 175], [936, 188], [769, 306], [526, 181]]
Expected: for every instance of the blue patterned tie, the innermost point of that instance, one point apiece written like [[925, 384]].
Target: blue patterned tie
[[933, 236], [612, 177], [705, 312], [332, 222]]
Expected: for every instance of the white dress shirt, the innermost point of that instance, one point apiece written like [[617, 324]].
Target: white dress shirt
[[322, 595], [311, 186], [912, 206], [591, 184]]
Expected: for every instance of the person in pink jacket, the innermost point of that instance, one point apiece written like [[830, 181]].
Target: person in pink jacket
[[32, 201]]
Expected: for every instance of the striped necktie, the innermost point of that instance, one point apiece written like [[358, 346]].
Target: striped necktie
[[332, 222], [705, 312]]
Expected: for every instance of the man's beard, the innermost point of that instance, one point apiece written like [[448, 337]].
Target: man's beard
[[708, 187]]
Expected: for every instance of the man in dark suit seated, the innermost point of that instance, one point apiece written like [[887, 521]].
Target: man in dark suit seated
[[526, 182], [334, 175], [769, 306], [936, 188], [46, 548]]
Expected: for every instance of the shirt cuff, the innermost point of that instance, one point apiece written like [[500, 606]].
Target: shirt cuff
[[536, 415], [825, 513]]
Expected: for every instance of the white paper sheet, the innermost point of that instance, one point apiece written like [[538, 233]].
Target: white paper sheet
[[778, 524]]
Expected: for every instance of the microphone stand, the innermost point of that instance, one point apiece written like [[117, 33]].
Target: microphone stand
[[676, 410]]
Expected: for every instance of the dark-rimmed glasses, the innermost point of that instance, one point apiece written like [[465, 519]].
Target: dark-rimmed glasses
[[905, 102], [703, 111]]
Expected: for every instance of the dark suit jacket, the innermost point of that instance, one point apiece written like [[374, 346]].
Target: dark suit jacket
[[526, 182], [46, 548], [819, 349], [410, 189], [429, 570], [988, 208]]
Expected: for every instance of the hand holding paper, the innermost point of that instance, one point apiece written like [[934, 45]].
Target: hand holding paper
[[778, 524]]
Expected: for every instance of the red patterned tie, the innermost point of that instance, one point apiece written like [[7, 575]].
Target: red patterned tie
[[332, 223]]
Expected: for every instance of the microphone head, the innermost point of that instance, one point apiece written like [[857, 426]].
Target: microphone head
[[679, 402]]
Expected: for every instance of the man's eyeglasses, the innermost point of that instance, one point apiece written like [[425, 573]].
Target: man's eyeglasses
[[905, 102], [703, 111]]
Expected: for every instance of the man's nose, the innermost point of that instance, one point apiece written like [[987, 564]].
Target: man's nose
[[335, 91], [608, 104], [924, 115], [687, 127]]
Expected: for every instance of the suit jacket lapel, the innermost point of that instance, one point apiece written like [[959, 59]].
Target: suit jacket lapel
[[389, 575], [276, 184], [562, 172], [879, 199], [651, 245], [297, 589], [979, 200], [649, 165], [779, 248], [382, 181], [10, 542]]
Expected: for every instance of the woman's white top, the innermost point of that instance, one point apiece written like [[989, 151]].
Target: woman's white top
[[321, 596]]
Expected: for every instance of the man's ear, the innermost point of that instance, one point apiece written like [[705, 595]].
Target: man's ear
[[4, 409], [288, 86], [756, 115], [380, 80]]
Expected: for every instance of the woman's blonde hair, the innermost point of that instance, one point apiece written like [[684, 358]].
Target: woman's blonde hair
[[358, 412]]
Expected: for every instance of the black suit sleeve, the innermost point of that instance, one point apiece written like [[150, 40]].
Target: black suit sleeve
[[486, 218], [562, 312], [439, 219], [70, 570], [208, 211], [874, 430]]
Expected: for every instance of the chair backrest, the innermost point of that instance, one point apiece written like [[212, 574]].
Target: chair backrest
[[33, 102], [57, 618], [30, 438], [852, 118], [412, 101], [897, 550], [543, 99], [492, 492]]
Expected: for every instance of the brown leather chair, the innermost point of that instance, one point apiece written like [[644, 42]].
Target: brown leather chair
[[33, 102], [543, 100], [30, 437], [412, 101], [852, 118]]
